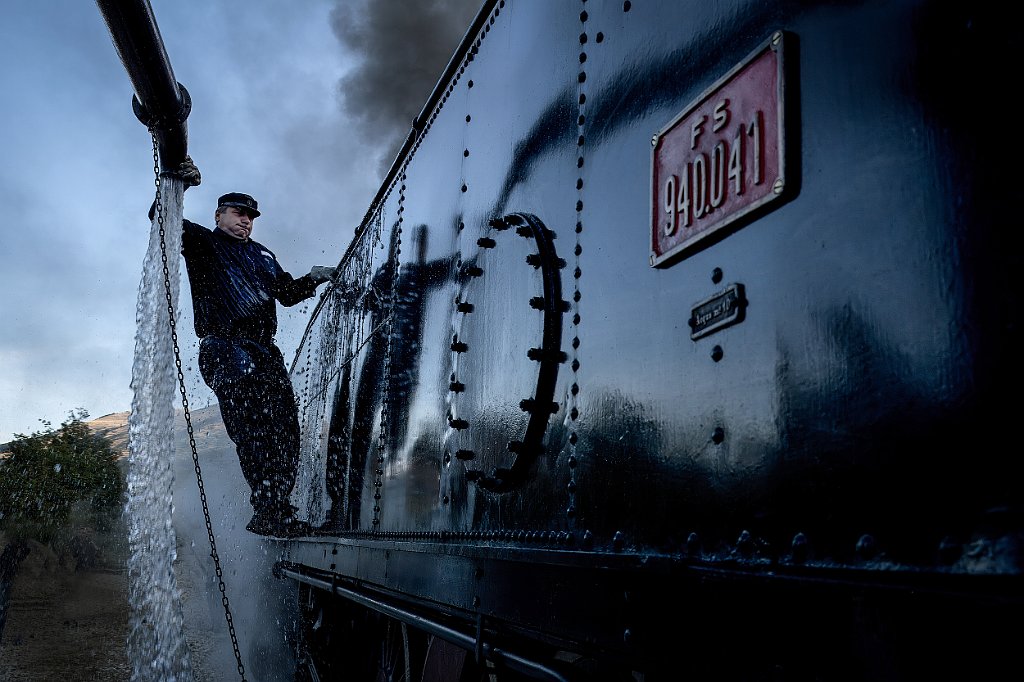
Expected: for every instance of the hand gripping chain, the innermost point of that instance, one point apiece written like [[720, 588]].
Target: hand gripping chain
[[188, 417]]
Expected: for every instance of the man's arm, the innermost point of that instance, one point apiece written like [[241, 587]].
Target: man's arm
[[291, 291]]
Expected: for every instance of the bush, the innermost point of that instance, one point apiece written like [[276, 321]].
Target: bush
[[44, 474]]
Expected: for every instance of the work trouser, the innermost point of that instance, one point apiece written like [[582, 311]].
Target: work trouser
[[260, 415]]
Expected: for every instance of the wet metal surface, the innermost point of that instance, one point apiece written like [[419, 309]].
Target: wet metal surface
[[880, 302]]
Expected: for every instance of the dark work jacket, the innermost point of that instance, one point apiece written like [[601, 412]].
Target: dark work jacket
[[235, 284]]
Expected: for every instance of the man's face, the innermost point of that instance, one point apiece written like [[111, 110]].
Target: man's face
[[235, 221]]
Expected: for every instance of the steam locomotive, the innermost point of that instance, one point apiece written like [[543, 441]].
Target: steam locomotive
[[680, 341]]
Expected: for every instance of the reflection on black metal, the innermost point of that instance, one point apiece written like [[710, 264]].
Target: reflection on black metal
[[415, 280]]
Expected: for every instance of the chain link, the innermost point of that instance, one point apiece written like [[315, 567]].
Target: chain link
[[188, 417]]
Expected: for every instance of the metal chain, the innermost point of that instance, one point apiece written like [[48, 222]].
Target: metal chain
[[188, 416]]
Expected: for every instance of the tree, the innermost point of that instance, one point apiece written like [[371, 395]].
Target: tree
[[42, 476]]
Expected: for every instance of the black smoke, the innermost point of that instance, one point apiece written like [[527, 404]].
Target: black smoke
[[402, 48]]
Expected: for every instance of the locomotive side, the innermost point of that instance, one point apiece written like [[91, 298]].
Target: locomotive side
[[679, 339]]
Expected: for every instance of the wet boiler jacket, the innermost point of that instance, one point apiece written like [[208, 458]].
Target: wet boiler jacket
[[235, 285]]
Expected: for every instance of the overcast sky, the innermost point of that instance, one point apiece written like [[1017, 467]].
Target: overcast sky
[[300, 104]]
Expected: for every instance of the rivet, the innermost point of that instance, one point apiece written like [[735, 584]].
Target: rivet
[[464, 188], [626, 6], [476, 601], [718, 435], [468, 118], [571, 486], [693, 545], [582, 78], [588, 539], [583, 38], [745, 543], [867, 547], [575, 389], [618, 540], [447, 458], [600, 37], [627, 636], [799, 548], [583, 57], [579, 162], [465, 152], [717, 353], [779, 185], [583, 16], [573, 438], [579, 206], [716, 275], [579, 141], [583, 98], [469, 84]]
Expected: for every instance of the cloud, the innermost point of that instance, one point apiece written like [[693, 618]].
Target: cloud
[[401, 49]]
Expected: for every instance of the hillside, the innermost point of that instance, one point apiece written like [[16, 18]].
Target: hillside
[[69, 612]]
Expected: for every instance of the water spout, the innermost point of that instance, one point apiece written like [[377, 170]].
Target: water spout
[[156, 641]]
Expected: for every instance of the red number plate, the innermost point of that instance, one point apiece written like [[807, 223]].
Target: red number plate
[[720, 159]]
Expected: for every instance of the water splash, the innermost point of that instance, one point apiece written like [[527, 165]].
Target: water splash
[[156, 640], [335, 338]]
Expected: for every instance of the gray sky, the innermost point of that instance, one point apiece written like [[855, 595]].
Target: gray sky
[[285, 106]]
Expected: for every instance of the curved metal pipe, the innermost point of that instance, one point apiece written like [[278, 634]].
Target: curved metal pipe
[[161, 103]]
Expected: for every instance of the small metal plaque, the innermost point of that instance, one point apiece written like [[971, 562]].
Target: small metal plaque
[[721, 158], [720, 311]]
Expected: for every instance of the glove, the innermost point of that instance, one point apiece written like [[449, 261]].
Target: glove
[[187, 172], [322, 273]]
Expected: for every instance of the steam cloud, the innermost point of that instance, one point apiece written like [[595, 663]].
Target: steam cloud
[[403, 47]]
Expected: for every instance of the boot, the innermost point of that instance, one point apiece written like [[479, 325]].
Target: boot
[[278, 524]]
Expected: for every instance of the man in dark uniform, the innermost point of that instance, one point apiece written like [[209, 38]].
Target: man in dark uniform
[[236, 283]]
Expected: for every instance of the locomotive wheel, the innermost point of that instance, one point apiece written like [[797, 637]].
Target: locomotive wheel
[[402, 653]]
